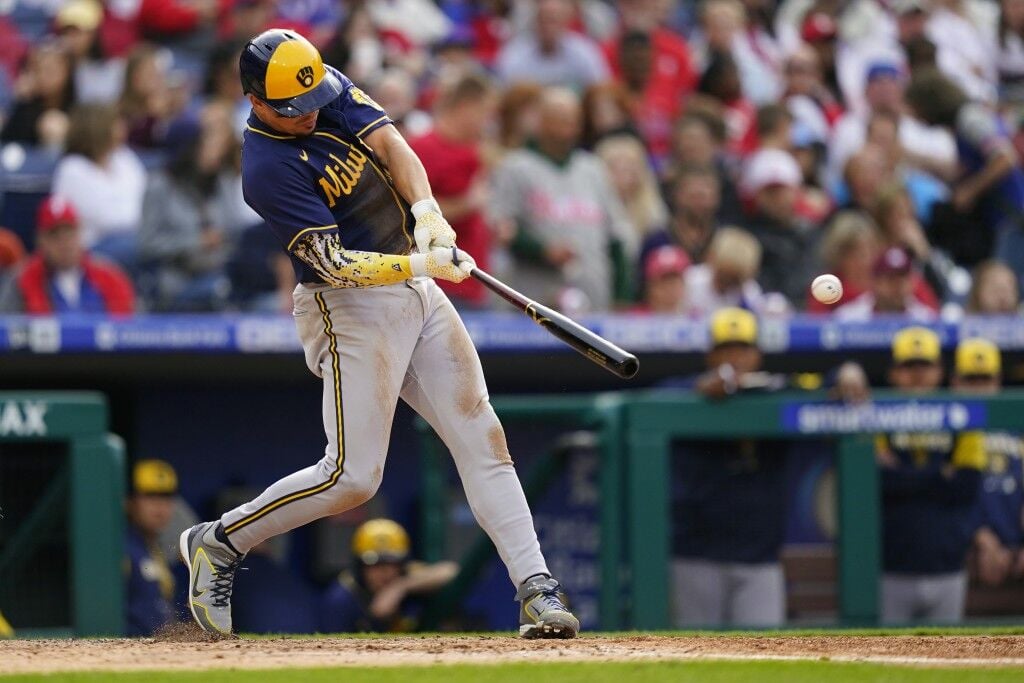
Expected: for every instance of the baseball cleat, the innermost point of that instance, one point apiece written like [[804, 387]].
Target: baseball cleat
[[211, 563], [542, 614]]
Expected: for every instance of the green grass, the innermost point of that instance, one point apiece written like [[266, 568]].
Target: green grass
[[602, 672]]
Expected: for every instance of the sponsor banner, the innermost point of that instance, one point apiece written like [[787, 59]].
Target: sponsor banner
[[882, 416]]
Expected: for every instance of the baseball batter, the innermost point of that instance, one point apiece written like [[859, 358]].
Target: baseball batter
[[350, 202]]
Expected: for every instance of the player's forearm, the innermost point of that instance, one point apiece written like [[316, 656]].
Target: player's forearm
[[343, 268], [430, 577], [406, 169]]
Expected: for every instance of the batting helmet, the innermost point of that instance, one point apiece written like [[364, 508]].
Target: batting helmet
[[287, 72], [380, 540]]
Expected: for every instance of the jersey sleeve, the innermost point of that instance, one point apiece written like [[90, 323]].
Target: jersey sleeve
[[357, 110], [283, 197]]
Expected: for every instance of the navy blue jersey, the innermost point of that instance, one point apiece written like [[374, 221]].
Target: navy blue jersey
[[329, 181], [729, 500], [345, 608], [929, 499], [149, 586], [1002, 488]]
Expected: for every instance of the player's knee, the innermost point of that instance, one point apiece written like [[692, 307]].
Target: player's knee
[[354, 490]]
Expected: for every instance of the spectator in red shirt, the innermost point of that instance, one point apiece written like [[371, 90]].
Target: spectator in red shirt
[[672, 73], [655, 64], [892, 291], [61, 277], [451, 155], [848, 250]]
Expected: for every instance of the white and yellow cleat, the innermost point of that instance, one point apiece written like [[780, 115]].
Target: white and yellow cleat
[[542, 614], [212, 564]]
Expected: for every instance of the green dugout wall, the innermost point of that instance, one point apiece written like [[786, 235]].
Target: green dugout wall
[[87, 485], [636, 431]]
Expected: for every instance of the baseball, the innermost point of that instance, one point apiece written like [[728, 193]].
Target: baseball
[[827, 288]]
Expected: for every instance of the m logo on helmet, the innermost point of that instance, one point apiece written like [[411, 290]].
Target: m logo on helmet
[[305, 76]]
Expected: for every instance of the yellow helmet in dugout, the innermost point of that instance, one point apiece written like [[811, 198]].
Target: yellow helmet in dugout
[[287, 72], [916, 345], [380, 540], [733, 326], [152, 477], [978, 357]]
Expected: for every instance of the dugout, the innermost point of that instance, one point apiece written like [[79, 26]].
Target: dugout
[[61, 517]]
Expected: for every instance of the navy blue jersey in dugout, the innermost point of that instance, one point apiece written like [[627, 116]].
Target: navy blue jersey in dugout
[[327, 182]]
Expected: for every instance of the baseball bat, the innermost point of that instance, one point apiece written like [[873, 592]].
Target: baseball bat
[[594, 347]]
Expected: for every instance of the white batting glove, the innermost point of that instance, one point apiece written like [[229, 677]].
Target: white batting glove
[[453, 265], [432, 230]]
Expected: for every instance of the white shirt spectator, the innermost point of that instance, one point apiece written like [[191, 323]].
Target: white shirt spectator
[[863, 308], [108, 198], [964, 53], [576, 63], [418, 20], [702, 299], [850, 131]]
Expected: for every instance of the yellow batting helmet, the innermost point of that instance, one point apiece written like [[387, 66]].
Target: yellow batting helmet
[[733, 326], [978, 357], [916, 345], [287, 72], [380, 540]]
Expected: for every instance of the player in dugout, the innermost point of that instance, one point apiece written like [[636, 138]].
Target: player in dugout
[[999, 523], [930, 485], [149, 583], [384, 590]]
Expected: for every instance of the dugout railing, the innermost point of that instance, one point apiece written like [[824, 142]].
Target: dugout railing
[[61, 486], [636, 432]]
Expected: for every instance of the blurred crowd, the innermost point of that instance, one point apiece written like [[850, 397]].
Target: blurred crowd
[[665, 156]]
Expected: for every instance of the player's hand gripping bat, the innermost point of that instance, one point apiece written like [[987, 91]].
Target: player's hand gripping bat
[[594, 347]]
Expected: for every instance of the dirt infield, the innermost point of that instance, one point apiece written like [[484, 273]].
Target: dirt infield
[[179, 651]]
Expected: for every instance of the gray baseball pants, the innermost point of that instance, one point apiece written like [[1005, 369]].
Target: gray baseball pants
[[923, 598], [371, 346], [711, 594]]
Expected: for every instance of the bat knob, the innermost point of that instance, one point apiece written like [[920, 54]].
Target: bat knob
[[455, 256]]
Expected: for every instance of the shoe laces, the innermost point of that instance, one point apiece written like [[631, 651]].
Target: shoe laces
[[549, 599], [223, 581]]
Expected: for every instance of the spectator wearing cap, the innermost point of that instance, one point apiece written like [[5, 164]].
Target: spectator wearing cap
[[998, 556], [803, 81], [62, 277], [924, 146], [104, 180], [98, 78], [664, 290], [819, 30], [930, 486], [728, 276], [772, 186], [149, 583], [384, 588], [550, 53], [729, 499], [192, 216], [891, 292]]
